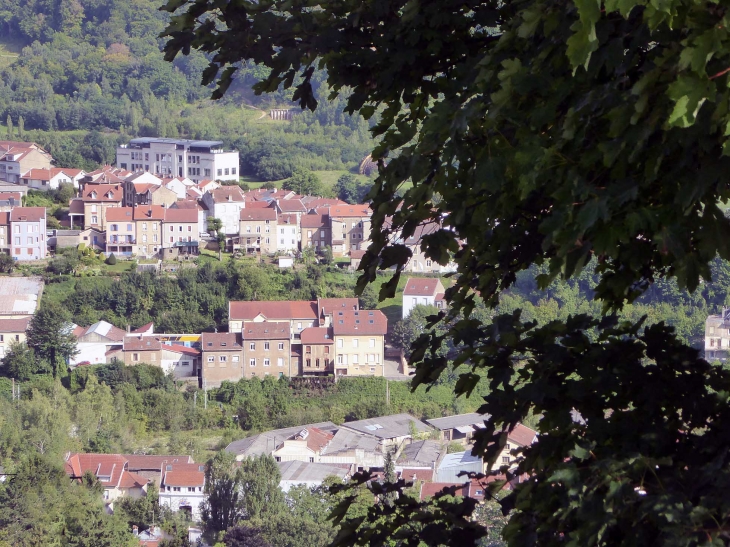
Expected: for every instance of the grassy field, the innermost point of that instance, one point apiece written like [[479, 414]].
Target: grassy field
[[9, 52]]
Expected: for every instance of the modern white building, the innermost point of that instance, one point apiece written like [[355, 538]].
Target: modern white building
[[196, 160], [422, 292]]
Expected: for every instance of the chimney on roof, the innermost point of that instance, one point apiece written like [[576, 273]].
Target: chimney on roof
[[129, 328]]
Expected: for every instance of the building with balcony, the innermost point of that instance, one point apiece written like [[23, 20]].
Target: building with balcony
[[196, 160], [121, 238]]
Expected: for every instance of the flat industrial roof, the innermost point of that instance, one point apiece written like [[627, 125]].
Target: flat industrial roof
[[189, 142], [20, 295]]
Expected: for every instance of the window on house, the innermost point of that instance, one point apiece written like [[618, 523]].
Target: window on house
[[266, 346], [223, 358], [372, 342], [252, 346], [355, 358], [154, 238], [252, 362], [355, 342], [326, 349], [235, 358], [135, 357], [95, 220], [309, 349], [309, 363], [281, 346], [505, 459], [220, 172], [267, 362], [340, 343], [280, 362]]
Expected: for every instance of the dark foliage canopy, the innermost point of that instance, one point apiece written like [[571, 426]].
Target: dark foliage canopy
[[540, 133]]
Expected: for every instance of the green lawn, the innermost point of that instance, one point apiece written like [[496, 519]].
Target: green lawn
[[120, 267], [9, 51]]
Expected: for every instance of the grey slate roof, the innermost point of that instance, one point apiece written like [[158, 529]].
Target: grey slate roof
[[309, 472], [266, 443], [451, 422], [421, 453], [459, 459], [387, 427], [345, 440]]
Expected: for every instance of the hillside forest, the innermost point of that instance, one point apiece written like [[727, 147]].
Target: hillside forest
[[69, 67]]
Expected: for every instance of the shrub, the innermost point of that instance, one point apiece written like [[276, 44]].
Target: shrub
[[111, 260]]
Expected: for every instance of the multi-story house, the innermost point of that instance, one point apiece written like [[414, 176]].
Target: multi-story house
[[28, 233], [148, 220], [180, 228], [8, 200], [180, 186], [17, 158], [359, 342], [111, 472], [138, 349], [199, 210], [222, 358], [317, 356], [258, 229], [267, 348], [291, 206], [422, 292], [12, 331], [419, 262], [226, 203], [350, 226], [288, 233], [97, 198], [121, 233], [316, 231], [182, 488], [197, 160], [717, 336], [300, 314]]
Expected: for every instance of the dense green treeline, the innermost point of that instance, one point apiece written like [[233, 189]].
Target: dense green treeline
[[194, 299]]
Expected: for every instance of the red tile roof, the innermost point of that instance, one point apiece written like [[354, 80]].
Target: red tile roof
[[522, 435], [430, 489], [76, 206], [317, 220], [4, 217], [257, 213], [357, 254], [418, 286], [222, 194], [317, 335], [351, 322], [313, 202], [119, 214], [177, 348], [11, 195], [27, 214], [318, 439], [288, 218], [414, 474], [38, 174], [291, 206], [273, 310], [102, 193], [181, 215], [360, 211], [108, 468], [328, 306], [14, 325], [132, 480], [217, 341], [144, 328], [184, 474], [141, 343], [266, 330], [186, 204], [149, 212], [258, 204]]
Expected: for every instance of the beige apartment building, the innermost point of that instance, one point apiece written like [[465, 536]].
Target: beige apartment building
[[121, 238], [316, 231], [258, 229], [267, 348], [97, 198], [180, 229], [12, 331], [148, 220], [317, 355], [359, 342], [350, 228], [222, 358]]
